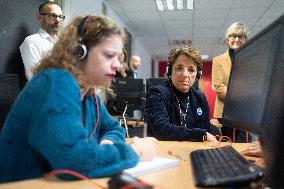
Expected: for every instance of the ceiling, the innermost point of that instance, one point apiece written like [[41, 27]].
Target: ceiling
[[205, 25]]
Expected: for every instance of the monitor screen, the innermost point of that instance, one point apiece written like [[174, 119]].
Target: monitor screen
[[127, 88], [153, 81], [255, 96], [126, 91], [253, 78]]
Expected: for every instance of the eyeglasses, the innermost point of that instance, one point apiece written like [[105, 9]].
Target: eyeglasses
[[240, 36], [53, 16]]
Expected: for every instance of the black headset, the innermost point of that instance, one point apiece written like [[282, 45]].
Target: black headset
[[170, 69], [81, 50]]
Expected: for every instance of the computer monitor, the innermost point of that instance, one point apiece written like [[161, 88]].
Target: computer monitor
[[154, 81], [255, 95], [127, 91]]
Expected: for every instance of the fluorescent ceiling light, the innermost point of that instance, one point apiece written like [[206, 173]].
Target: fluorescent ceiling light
[[189, 4], [170, 4], [174, 4], [160, 5], [179, 4]]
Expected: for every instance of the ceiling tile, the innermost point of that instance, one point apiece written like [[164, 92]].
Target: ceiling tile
[[212, 4], [246, 12], [142, 15], [176, 15], [252, 4]]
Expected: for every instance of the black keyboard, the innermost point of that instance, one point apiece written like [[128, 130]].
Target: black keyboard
[[223, 167]]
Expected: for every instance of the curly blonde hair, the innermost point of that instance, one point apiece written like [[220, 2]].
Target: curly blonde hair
[[186, 50], [64, 53]]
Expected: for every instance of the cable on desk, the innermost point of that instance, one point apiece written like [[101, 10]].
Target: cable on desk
[[73, 173], [219, 140], [137, 184]]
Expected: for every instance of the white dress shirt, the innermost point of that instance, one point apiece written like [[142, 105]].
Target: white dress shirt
[[34, 48], [135, 72]]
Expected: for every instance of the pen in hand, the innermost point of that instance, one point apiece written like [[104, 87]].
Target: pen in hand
[[176, 155]]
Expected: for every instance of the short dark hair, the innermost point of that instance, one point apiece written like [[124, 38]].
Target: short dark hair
[[187, 50], [46, 3]]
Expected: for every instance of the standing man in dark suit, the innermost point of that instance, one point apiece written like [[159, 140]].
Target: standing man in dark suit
[[135, 63]]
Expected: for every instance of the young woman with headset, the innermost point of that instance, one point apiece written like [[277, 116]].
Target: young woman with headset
[[174, 110], [59, 123]]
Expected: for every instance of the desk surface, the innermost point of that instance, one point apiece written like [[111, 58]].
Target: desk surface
[[129, 122], [176, 177], [133, 123]]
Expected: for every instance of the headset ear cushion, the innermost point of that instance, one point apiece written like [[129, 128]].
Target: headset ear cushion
[[169, 70], [81, 51], [199, 74]]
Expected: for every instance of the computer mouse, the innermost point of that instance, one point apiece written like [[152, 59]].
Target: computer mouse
[[125, 180]]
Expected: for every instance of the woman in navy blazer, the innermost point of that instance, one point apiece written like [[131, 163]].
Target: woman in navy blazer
[[174, 110]]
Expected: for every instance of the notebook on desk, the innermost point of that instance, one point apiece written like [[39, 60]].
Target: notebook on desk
[[157, 164]]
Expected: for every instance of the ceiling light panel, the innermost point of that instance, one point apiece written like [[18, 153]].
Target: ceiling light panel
[[189, 4], [179, 4], [174, 4], [170, 4], [160, 5]]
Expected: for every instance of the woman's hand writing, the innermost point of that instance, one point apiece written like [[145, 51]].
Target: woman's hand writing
[[145, 147]]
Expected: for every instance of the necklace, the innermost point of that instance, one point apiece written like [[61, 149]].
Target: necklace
[[182, 115]]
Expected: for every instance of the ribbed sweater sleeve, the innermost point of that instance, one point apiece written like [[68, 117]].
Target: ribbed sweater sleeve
[[109, 127]]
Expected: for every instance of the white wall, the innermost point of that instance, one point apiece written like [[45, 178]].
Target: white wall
[[72, 8]]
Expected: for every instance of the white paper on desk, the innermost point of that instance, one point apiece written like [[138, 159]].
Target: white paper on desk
[[157, 164]]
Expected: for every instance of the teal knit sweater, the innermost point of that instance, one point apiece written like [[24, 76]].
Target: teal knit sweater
[[45, 131]]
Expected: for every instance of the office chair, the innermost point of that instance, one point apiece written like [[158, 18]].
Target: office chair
[[9, 90]]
